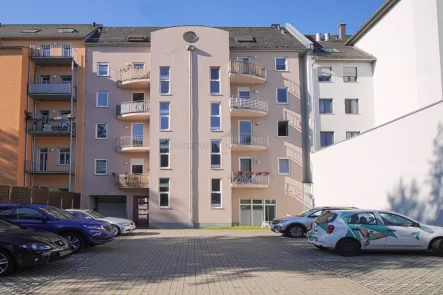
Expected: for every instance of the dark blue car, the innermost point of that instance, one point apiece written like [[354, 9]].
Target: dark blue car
[[78, 232]]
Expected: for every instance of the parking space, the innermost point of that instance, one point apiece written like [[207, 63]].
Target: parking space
[[226, 262]]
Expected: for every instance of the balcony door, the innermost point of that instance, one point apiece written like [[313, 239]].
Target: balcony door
[[64, 124], [245, 165], [137, 134], [46, 50], [245, 132], [67, 50], [42, 159]]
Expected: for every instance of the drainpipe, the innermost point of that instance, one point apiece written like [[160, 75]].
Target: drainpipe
[[76, 138], [26, 122], [71, 119]]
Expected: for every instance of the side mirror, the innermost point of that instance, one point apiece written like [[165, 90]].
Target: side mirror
[[416, 224], [88, 217]]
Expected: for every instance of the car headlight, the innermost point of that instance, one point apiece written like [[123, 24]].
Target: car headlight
[[36, 246], [281, 221], [93, 226], [124, 224]]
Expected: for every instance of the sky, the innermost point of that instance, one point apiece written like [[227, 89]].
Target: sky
[[308, 16]]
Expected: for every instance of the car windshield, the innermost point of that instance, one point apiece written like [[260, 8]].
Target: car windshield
[[56, 213], [306, 213], [6, 226], [94, 214]]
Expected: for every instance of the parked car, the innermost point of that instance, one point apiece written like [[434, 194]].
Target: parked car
[[78, 232], [296, 226], [121, 225], [349, 232], [26, 247]]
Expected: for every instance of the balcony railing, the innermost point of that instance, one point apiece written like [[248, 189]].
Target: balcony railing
[[248, 104], [131, 74], [131, 180], [250, 178], [51, 127], [128, 142], [43, 167], [133, 107], [56, 51], [247, 68], [248, 139], [49, 88]]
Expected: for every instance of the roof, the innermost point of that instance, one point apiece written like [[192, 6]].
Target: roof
[[270, 38], [380, 13], [46, 31], [336, 49]]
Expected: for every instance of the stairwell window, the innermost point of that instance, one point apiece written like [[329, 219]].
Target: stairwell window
[[215, 81], [215, 116], [164, 153], [102, 99], [216, 154], [351, 106], [103, 69], [101, 167], [164, 192], [165, 80], [63, 156], [350, 74], [216, 195], [164, 116]]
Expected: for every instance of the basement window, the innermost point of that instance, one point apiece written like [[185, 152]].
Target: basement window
[[66, 30], [245, 39], [31, 31]]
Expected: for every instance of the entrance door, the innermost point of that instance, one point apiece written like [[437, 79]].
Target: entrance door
[[137, 134], [141, 211], [42, 159], [245, 132]]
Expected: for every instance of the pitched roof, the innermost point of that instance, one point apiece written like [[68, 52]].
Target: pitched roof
[[46, 31], [335, 49]]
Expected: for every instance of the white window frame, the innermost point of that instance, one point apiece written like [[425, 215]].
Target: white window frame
[[137, 162], [96, 131], [349, 80], [138, 92], [289, 166], [352, 132], [287, 95], [358, 106], [59, 153], [138, 63], [332, 106], [244, 89], [217, 192], [215, 154], [107, 99], [168, 153], [98, 69], [242, 58], [286, 64], [165, 80], [164, 116], [318, 75], [278, 128], [215, 116], [252, 204], [333, 138], [215, 80], [168, 193], [95, 167]]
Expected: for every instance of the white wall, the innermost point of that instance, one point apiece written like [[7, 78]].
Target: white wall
[[407, 73], [364, 171]]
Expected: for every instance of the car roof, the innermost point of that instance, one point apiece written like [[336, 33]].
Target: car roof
[[337, 208], [79, 210], [26, 205]]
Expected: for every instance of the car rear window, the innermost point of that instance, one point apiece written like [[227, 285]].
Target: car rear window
[[326, 217]]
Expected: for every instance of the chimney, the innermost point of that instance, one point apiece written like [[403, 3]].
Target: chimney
[[276, 26], [341, 31], [318, 37], [327, 37], [93, 24]]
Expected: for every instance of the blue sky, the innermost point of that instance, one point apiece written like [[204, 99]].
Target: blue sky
[[309, 16]]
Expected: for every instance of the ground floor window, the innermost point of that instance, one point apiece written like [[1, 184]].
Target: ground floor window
[[256, 212]]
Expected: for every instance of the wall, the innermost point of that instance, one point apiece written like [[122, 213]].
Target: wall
[[396, 166]]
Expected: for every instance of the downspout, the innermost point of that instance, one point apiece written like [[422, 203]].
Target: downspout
[[26, 123], [76, 138], [71, 119]]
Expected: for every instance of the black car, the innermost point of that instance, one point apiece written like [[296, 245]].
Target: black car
[[25, 247]]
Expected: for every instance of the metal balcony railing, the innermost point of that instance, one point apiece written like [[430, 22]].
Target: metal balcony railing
[[248, 104], [248, 139], [49, 126], [132, 74], [248, 178], [131, 142], [133, 107], [247, 68], [43, 167], [131, 180], [49, 88], [54, 50]]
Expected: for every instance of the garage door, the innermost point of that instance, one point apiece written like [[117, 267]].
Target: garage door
[[112, 209]]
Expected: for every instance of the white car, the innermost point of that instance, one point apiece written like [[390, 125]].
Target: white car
[[351, 231], [120, 225]]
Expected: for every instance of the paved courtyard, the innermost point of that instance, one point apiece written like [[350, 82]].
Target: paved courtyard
[[226, 262]]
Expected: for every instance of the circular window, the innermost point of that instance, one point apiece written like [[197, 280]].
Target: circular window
[[190, 37]]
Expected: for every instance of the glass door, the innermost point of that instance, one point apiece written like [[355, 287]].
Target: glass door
[[67, 50], [245, 132], [141, 211], [137, 134], [42, 159], [245, 167]]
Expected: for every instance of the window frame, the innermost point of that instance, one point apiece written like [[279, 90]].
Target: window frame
[[168, 193], [215, 80], [138, 63], [286, 64], [165, 80], [389, 213], [347, 132], [95, 167], [350, 106], [168, 154], [324, 100], [289, 166], [217, 192], [21, 207], [98, 69], [362, 213], [96, 131], [242, 58], [216, 154], [318, 74], [287, 128], [97, 97], [350, 80], [59, 153], [333, 138], [215, 116], [164, 116], [287, 95], [244, 90]]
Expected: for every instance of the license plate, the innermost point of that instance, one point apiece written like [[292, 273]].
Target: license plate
[[64, 253]]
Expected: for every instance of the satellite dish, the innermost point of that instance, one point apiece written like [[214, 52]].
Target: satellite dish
[[190, 37]]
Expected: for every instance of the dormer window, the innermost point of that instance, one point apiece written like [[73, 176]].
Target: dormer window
[[245, 39]]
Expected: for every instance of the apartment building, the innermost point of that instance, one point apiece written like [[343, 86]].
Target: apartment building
[[42, 68], [193, 125]]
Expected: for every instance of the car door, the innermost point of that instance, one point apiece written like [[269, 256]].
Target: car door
[[402, 232], [365, 227], [31, 218]]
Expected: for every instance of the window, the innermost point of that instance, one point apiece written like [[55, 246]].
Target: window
[[45, 79], [164, 115], [67, 50], [31, 30], [351, 106], [216, 153], [256, 212], [316, 214], [137, 169], [350, 74], [103, 69], [215, 116], [324, 74], [362, 218], [66, 30], [215, 81], [164, 192], [350, 134], [164, 153], [244, 58], [282, 95], [395, 220], [216, 193], [45, 50], [7, 212], [66, 79], [101, 167], [281, 64], [101, 131], [138, 65], [102, 99], [244, 92], [325, 106], [138, 96], [63, 156], [164, 80], [283, 128], [283, 166], [326, 138], [28, 213]]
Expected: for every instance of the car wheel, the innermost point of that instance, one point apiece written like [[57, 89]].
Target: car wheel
[[320, 247], [348, 247], [117, 230], [7, 264], [437, 248], [75, 240], [295, 231]]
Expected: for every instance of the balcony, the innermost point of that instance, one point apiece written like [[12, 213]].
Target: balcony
[[131, 180], [248, 142], [248, 107], [133, 110], [43, 168], [51, 92], [250, 179], [50, 127], [53, 55], [133, 78], [245, 72], [131, 144]]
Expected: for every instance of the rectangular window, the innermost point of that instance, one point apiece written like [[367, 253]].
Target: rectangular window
[[351, 106], [215, 81], [350, 74], [324, 74], [350, 134], [165, 80], [281, 64], [138, 65], [102, 99], [164, 115], [164, 153], [138, 96], [283, 166], [101, 167], [45, 79], [102, 69], [325, 106], [164, 192], [244, 92], [326, 138], [216, 153], [283, 128], [216, 197], [282, 95], [244, 58], [63, 156], [101, 131], [215, 116], [137, 169]]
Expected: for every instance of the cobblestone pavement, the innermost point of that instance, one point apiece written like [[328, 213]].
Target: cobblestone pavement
[[226, 262]]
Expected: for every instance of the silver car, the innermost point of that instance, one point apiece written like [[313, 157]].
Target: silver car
[[120, 225], [296, 226]]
